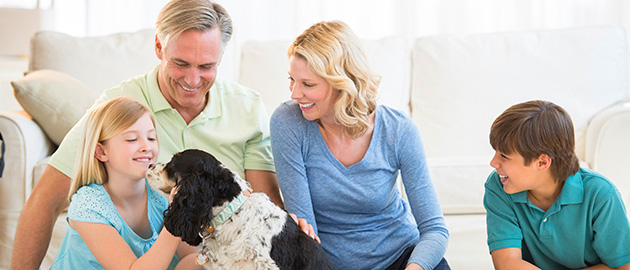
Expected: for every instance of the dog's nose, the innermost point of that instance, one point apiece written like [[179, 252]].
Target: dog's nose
[[151, 166]]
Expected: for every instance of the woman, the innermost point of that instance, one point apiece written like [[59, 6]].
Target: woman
[[338, 156]]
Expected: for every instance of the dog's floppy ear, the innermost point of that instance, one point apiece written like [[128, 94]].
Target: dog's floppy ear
[[224, 187], [190, 210]]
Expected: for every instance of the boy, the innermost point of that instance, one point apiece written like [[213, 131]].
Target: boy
[[543, 210]]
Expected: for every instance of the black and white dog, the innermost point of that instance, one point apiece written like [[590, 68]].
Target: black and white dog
[[237, 229]]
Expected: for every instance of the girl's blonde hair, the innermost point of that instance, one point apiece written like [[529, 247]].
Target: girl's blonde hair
[[104, 122], [333, 51]]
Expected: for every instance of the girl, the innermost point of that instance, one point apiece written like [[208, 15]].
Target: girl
[[115, 220]]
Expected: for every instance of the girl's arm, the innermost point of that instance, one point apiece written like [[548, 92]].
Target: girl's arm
[[112, 252], [187, 255]]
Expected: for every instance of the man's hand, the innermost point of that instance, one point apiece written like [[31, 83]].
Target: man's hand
[[307, 228]]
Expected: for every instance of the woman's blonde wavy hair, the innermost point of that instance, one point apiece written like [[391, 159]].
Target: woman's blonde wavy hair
[[104, 122], [333, 51]]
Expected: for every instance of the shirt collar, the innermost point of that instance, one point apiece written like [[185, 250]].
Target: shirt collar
[[573, 190], [158, 101]]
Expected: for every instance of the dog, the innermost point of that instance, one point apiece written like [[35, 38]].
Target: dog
[[237, 229]]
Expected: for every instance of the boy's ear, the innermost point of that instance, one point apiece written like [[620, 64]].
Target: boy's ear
[[99, 153], [543, 162]]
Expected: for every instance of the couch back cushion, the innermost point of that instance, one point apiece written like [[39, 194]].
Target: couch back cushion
[[264, 66], [461, 84], [67, 73], [99, 62]]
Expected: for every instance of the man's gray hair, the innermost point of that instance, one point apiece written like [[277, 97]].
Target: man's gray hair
[[181, 15]]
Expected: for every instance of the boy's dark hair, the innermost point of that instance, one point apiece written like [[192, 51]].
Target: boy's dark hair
[[537, 127]]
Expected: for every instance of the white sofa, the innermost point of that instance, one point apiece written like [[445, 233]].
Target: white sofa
[[453, 87]]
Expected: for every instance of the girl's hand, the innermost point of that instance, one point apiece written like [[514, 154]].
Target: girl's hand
[[172, 195]]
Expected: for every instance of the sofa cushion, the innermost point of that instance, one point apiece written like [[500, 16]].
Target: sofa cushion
[[264, 66], [100, 62], [54, 99], [461, 84]]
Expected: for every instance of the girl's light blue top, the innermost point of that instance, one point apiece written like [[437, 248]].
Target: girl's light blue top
[[92, 204]]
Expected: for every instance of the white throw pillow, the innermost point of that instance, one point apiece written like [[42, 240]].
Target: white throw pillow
[[101, 62], [55, 100]]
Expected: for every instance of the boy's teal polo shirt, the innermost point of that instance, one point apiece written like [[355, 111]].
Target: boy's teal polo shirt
[[586, 226], [234, 126]]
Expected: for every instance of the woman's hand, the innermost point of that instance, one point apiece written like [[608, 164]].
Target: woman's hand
[[307, 228], [414, 266]]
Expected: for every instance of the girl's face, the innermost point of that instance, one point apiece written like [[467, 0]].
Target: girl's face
[[311, 91], [129, 154]]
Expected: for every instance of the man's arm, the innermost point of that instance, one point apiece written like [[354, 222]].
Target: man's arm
[[37, 219], [267, 182]]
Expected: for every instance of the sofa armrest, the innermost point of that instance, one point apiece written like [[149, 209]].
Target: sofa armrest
[[608, 146], [25, 144]]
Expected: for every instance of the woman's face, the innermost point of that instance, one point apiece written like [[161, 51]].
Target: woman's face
[[311, 91]]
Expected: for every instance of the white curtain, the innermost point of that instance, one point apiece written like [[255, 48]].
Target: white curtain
[[370, 19]]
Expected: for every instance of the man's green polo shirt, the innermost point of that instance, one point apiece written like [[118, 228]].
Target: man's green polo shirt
[[234, 126], [586, 226]]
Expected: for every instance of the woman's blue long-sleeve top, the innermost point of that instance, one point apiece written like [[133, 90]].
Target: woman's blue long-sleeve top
[[357, 211]]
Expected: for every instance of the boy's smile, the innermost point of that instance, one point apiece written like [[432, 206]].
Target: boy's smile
[[503, 178], [514, 174], [535, 177]]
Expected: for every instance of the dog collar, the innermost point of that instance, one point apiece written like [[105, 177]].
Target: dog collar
[[227, 212]]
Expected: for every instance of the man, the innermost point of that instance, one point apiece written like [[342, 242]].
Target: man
[[191, 111]]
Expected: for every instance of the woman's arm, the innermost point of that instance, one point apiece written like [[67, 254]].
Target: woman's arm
[[112, 252], [422, 196], [287, 138]]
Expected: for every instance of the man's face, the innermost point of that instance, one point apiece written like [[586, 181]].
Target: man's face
[[188, 68]]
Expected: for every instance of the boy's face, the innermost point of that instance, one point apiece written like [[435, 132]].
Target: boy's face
[[515, 175]]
